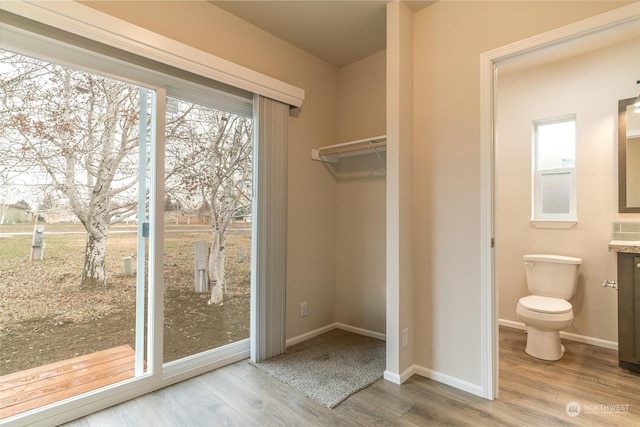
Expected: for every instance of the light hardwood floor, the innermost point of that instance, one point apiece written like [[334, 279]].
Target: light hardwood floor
[[532, 393]]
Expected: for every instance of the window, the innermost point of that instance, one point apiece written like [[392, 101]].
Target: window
[[554, 169]]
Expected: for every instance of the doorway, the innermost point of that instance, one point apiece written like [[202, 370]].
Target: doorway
[[555, 45]]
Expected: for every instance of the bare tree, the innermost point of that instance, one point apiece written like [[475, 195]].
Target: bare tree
[[209, 155], [80, 132]]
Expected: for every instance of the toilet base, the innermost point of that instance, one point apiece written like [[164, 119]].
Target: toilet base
[[544, 345]]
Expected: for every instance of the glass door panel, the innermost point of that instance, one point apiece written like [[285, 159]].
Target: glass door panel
[[207, 236], [74, 149]]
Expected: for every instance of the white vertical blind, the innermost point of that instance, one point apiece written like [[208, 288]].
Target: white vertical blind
[[269, 241]]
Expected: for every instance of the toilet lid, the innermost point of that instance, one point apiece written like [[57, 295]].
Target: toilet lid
[[545, 304]]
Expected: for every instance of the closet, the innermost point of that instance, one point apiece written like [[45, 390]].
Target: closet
[[357, 162]]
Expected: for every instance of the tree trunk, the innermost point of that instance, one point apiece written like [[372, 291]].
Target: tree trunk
[[94, 273], [220, 258], [216, 268]]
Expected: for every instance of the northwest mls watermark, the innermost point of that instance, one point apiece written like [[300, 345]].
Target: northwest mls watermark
[[574, 409]]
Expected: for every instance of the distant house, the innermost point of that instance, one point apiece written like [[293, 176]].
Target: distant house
[[11, 214]]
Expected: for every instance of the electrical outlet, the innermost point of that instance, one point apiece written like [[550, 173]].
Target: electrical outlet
[[405, 337], [303, 309]]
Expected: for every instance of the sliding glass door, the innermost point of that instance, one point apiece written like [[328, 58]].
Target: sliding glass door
[[207, 233], [74, 173], [125, 228]]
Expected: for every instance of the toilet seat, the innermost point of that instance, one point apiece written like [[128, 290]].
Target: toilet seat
[[542, 304]]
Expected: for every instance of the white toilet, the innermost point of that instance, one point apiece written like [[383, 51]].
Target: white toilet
[[552, 282]]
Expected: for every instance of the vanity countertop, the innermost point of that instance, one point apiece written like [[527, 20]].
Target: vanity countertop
[[630, 246]]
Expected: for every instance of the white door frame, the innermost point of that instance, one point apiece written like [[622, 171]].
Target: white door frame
[[624, 16]]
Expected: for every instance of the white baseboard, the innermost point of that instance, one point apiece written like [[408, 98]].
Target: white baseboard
[[407, 373], [399, 379], [392, 377], [310, 334], [612, 345], [360, 331], [448, 380], [336, 325], [512, 324], [436, 376]]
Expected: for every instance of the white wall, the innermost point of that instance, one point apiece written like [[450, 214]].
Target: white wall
[[588, 85]]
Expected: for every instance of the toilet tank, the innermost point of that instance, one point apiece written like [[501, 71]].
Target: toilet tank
[[554, 276]]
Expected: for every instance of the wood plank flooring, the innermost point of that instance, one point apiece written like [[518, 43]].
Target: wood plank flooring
[[532, 393], [25, 390]]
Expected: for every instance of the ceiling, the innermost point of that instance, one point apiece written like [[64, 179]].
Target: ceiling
[[574, 46], [337, 31]]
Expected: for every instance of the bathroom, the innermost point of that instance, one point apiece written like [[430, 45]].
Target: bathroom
[[587, 83]]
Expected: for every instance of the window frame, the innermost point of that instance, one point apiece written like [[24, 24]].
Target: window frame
[[539, 218]]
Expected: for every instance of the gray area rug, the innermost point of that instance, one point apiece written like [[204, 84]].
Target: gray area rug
[[330, 367]]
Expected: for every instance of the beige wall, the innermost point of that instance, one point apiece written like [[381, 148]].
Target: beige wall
[[312, 191], [588, 85], [362, 98], [360, 208], [449, 38]]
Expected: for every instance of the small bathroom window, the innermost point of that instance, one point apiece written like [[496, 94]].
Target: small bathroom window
[[554, 169]]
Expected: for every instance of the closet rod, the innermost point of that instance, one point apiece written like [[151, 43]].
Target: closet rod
[[333, 153], [361, 146]]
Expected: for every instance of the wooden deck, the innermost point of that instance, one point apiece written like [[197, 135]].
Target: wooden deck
[[25, 390]]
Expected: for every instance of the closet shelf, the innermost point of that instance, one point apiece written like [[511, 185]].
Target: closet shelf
[[333, 153]]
